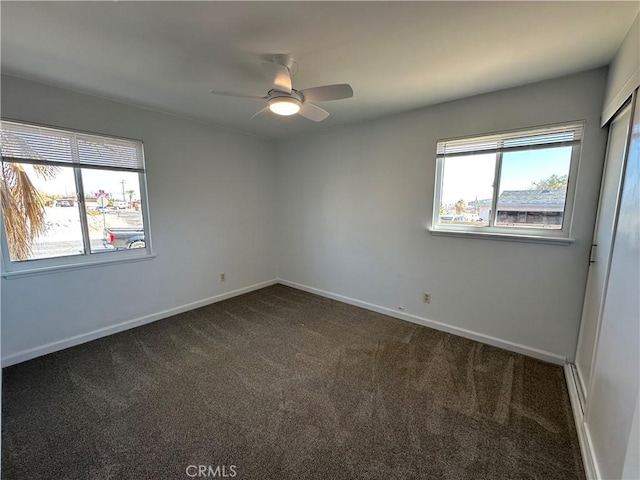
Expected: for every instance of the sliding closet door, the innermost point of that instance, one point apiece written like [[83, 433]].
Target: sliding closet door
[[615, 384], [602, 241]]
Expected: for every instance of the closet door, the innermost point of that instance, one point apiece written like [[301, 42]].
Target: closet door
[[615, 383], [602, 242]]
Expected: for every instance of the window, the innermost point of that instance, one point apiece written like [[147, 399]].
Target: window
[[70, 198], [517, 184]]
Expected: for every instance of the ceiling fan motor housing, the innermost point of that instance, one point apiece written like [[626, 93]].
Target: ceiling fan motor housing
[[295, 94]]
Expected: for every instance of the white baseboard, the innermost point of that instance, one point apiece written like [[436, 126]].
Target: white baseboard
[[588, 458], [461, 332], [30, 353]]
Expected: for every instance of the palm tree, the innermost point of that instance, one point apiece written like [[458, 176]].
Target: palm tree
[[131, 192], [460, 206], [22, 207]]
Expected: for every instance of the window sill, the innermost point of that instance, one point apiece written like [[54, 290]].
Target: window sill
[[74, 266], [509, 237]]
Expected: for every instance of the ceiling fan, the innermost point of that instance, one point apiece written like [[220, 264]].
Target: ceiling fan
[[282, 99]]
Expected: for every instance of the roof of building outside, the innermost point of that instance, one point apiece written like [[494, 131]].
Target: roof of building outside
[[525, 197]]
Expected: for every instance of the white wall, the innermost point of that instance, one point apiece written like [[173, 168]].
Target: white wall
[[354, 203], [211, 195], [624, 74]]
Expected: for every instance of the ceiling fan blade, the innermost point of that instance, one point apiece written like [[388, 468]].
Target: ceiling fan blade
[[278, 76], [327, 92], [232, 94], [313, 112], [264, 113]]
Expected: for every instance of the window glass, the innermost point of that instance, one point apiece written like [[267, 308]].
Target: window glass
[[114, 213], [42, 219], [533, 188], [467, 188]]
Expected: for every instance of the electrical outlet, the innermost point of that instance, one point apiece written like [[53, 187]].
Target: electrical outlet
[[222, 277], [426, 298]]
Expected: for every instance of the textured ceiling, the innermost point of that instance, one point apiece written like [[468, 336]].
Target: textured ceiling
[[397, 55]]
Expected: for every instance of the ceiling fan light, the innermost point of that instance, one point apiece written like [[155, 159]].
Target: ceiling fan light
[[284, 106]]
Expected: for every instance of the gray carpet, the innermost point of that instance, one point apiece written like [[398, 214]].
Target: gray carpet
[[282, 384]]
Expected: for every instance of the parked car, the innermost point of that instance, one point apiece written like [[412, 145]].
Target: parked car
[[453, 218], [124, 238]]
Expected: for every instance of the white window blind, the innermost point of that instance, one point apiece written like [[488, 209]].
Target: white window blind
[[544, 137], [36, 144]]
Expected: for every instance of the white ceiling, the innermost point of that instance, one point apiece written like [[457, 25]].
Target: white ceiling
[[397, 55]]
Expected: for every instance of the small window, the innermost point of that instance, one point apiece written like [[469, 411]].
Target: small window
[[70, 198], [519, 183]]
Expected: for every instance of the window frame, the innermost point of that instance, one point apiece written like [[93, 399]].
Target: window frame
[[492, 231], [26, 267]]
